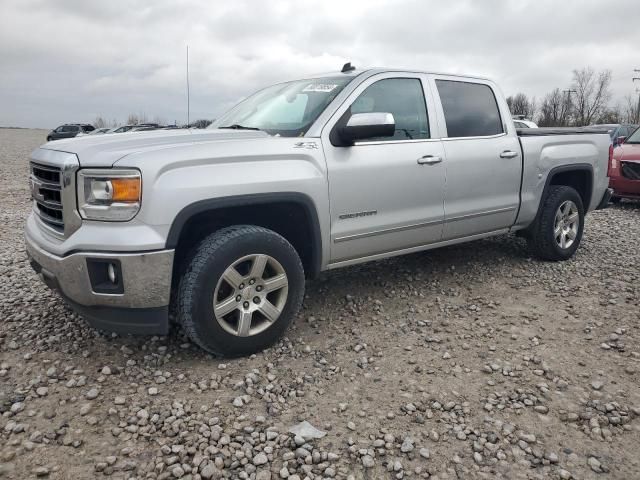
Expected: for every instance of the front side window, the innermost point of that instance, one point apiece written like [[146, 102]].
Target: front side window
[[404, 99], [470, 109], [287, 109]]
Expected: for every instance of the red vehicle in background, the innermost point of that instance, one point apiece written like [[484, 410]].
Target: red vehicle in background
[[624, 168]]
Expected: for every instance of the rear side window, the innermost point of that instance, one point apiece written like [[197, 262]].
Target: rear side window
[[470, 109], [404, 99]]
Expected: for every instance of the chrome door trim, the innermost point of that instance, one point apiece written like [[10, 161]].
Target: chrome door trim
[[374, 233], [479, 214]]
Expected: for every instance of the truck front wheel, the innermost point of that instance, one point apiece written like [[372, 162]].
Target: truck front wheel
[[557, 232], [241, 289]]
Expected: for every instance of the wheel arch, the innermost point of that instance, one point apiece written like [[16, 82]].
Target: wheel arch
[[202, 217], [577, 176]]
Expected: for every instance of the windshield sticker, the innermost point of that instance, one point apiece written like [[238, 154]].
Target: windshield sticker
[[320, 87]]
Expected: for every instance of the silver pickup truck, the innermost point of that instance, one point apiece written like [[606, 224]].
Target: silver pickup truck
[[221, 226]]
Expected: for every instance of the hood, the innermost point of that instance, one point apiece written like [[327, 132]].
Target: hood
[[105, 150], [628, 152]]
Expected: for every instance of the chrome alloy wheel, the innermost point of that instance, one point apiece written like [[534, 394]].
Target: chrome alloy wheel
[[250, 295], [566, 225]]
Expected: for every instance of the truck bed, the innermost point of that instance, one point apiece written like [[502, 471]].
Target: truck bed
[[539, 132]]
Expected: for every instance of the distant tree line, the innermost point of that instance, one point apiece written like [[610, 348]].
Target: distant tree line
[[585, 102], [140, 118]]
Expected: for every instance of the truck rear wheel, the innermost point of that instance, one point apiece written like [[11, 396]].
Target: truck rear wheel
[[242, 288], [557, 232]]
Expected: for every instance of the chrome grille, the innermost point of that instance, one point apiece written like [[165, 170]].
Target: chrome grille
[[46, 191]]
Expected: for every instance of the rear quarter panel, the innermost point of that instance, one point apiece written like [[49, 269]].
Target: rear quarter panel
[[544, 153]]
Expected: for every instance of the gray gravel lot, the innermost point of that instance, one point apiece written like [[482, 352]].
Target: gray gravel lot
[[468, 362]]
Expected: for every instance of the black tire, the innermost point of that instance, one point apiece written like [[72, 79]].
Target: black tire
[[206, 266], [49, 139], [541, 239]]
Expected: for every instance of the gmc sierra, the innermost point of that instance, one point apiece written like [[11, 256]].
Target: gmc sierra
[[223, 225]]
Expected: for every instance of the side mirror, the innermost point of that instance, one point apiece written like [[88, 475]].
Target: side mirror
[[620, 140], [362, 126]]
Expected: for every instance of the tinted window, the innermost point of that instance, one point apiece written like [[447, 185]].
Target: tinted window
[[470, 109], [404, 99], [70, 128]]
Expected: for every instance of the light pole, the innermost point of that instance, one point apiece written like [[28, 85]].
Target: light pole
[[568, 92], [637, 115]]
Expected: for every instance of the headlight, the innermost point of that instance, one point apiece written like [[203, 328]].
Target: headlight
[[109, 195]]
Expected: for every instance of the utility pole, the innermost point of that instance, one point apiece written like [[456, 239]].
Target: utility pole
[[188, 99], [637, 115], [568, 92]]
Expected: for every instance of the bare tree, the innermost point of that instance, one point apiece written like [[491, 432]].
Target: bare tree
[[201, 123], [611, 115], [99, 122], [521, 105], [133, 119], [555, 109], [592, 94], [631, 110]]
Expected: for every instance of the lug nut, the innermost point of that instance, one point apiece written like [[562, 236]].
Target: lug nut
[[245, 304], [252, 281], [241, 286], [256, 300], [259, 288], [238, 298]]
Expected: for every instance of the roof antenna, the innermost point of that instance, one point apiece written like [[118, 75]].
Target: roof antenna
[[347, 67]]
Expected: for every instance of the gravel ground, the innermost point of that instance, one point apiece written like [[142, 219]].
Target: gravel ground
[[468, 362]]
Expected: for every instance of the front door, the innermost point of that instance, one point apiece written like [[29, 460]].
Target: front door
[[386, 194]]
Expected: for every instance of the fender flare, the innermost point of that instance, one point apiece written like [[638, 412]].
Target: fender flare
[[212, 204], [581, 167]]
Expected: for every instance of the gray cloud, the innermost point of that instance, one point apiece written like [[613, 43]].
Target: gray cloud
[[71, 60]]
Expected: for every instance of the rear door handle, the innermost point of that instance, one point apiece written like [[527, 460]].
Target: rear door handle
[[429, 160], [508, 154]]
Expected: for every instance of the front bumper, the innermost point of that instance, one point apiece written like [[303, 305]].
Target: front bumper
[[141, 308], [624, 187]]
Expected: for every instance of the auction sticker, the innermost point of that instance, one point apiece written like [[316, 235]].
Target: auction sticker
[[320, 87]]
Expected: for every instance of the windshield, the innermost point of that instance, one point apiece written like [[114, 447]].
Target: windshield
[[287, 109], [634, 137]]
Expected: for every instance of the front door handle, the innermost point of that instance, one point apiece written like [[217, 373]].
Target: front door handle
[[429, 160], [508, 154]]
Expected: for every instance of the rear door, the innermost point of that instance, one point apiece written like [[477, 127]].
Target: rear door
[[386, 193], [483, 166]]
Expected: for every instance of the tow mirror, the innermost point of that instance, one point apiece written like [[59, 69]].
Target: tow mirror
[[362, 126]]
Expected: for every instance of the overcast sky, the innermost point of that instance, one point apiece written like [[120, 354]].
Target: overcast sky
[[71, 60]]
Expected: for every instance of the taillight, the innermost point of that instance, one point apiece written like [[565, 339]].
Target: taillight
[[612, 162]]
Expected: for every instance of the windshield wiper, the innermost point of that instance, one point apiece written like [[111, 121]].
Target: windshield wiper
[[235, 126]]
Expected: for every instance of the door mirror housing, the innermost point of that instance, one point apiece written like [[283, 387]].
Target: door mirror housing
[[362, 126], [620, 140]]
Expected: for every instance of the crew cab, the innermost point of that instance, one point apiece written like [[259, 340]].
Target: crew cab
[[222, 226]]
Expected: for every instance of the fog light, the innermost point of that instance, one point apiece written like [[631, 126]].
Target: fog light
[[105, 275], [111, 272]]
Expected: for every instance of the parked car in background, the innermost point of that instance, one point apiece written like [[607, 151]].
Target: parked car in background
[[624, 169], [617, 131], [143, 128], [69, 130], [521, 122], [100, 131], [128, 128], [304, 176]]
